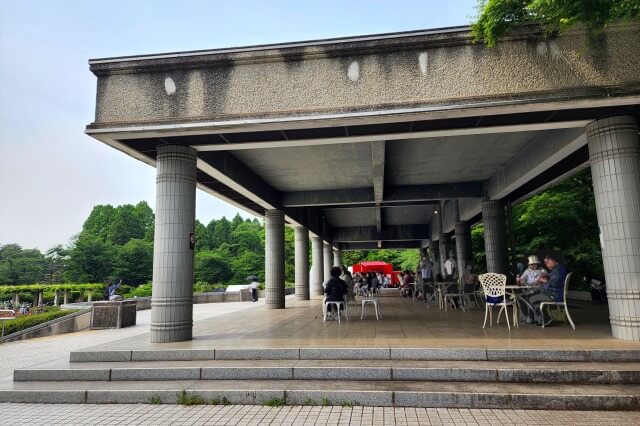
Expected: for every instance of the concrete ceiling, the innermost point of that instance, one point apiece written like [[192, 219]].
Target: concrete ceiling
[[315, 167], [452, 159]]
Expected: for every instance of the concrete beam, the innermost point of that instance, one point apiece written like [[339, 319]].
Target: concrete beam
[[377, 176], [539, 155], [389, 233], [434, 192], [227, 169], [328, 197], [374, 245], [392, 195]]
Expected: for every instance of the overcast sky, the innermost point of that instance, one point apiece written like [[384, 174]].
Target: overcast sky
[[51, 173]]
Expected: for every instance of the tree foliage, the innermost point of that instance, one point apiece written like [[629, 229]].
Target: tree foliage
[[497, 17]]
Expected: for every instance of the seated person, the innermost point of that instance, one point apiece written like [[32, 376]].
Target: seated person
[[113, 288], [407, 281], [335, 289], [551, 287], [531, 276]]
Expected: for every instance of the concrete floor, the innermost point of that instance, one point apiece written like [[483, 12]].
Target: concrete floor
[[404, 323]]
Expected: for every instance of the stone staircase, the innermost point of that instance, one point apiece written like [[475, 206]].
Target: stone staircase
[[453, 378]]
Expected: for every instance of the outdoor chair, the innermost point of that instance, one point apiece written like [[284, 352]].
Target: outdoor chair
[[494, 286], [338, 306], [559, 305], [463, 295], [376, 307]]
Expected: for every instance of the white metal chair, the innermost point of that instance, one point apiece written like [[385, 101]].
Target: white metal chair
[[494, 286], [376, 307], [559, 305], [338, 305]]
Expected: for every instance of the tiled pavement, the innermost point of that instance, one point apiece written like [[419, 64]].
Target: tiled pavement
[[69, 414]]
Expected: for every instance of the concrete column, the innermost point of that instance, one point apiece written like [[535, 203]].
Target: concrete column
[[327, 257], [495, 236], [302, 263], [444, 241], [16, 298], [463, 246], [317, 270], [172, 292], [65, 297], [337, 258], [40, 293], [274, 259], [614, 155], [89, 296], [56, 298]]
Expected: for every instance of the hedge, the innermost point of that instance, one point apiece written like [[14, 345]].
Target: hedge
[[36, 288], [26, 321]]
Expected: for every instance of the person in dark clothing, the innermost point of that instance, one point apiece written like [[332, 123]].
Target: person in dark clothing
[[335, 288], [551, 288]]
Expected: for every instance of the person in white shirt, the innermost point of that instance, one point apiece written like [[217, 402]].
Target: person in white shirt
[[450, 268], [532, 274], [254, 289]]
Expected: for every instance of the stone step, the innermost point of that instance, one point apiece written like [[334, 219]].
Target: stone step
[[311, 392], [454, 354], [346, 370]]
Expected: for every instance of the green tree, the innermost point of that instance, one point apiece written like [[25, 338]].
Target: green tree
[[497, 17], [221, 233], [55, 264], [90, 260], [134, 262], [210, 267], [20, 266], [99, 221]]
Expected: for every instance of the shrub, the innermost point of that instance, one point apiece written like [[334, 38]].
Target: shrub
[[143, 290], [26, 321]]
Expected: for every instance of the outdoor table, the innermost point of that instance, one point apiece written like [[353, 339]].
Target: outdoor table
[[442, 288], [512, 291]]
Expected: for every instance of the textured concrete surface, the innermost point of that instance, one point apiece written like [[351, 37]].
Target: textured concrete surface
[[391, 73]]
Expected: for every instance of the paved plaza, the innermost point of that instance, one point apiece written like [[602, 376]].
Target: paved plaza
[[66, 414], [405, 324]]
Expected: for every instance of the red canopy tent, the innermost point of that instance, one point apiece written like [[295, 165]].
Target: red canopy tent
[[374, 266], [382, 267]]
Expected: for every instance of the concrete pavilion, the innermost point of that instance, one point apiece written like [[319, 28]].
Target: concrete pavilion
[[357, 142]]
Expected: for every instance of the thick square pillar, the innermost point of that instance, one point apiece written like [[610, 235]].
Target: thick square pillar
[[495, 236], [463, 246], [614, 154], [327, 257], [274, 259], [172, 293], [302, 263], [317, 268]]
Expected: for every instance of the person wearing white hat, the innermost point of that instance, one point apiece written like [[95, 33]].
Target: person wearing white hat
[[531, 275]]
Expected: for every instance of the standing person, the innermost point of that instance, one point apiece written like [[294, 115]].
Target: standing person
[[254, 288], [450, 268], [348, 280], [335, 288], [426, 270]]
